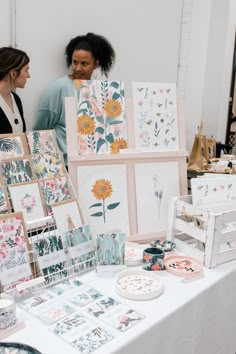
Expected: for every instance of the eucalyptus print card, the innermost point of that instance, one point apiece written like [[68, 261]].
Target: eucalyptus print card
[[81, 332], [110, 248], [4, 201], [101, 121], [13, 145], [42, 141], [48, 165], [55, 190], [51, 257], [17, 170], [155, 114]]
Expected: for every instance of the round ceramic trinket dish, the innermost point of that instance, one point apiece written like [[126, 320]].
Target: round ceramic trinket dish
[[133, 256], [164, 245], [7, 311], [138, 285], [183, 266]]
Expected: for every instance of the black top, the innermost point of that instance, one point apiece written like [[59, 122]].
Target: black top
[[5, 126]]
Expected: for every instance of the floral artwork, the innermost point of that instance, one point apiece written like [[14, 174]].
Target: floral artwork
[[80, 247], [156, 119], [158, 184], [110, 248], [102, 191], [12, 145], [81, 332], [67, 215], [4, 202], [42, 141], [101, 122], [51, 257], [114, 313], [16, 171], [26, 197], [55, 190], [48, 165], [14, 262]]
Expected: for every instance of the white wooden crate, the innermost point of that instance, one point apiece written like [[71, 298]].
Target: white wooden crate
[[209, 237]]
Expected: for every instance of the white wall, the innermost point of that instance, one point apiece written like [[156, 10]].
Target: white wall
[[145, 36]]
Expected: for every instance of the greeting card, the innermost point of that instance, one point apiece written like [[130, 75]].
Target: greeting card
[[110, 248], [48, 165], [67, 215], [13, 145], [42, 141], [17, 170], [4, 201]]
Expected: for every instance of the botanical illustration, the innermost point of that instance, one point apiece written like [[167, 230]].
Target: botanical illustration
[[26, 198], [110, 248], [114, 313], [48, 165], [156, 119], [52, 311], [12, 146], [51, 257], [4, 202], [67, 215], [42, 141], [101, 122], [55, 190], [16, 171], [102, 191], [158, 184], [80, 247], [81, 332], [36, 300]]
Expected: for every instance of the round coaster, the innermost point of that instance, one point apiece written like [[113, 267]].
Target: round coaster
[[182, 266], [133, 256], [138, 285]]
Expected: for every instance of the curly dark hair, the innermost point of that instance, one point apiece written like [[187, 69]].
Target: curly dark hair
[[12, 59], [97, 45]]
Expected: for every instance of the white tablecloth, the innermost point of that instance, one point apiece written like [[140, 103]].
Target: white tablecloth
[[190, 317]]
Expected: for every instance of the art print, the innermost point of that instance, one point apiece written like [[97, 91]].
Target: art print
[[67, 215], [26, 197], [102, 190], [101, 122], [158, 184], [4, 201], [55, 190], [17, 170], [14, 247], [81, 332], [12, 145], [51, 257], [156, 118], [114, 313], [110, 248], [48, 165], [81, 247], [42, 141]]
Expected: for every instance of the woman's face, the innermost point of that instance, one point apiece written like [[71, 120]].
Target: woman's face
[[21, 79], [83, 64]]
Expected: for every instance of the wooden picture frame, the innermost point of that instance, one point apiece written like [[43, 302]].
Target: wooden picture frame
[[13, 145]]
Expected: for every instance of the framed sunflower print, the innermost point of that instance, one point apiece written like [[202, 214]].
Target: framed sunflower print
[[27, 197], [48, 165], [17, 170], [42, 141], [4, 201], [101, 122], [13, 145]]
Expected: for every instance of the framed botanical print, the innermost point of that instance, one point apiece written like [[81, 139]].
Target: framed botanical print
[[42, 141], [4, 201], [48, 165], [67, 215], [17, 170], [13, 145]]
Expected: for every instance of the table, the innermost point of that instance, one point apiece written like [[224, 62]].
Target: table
[[190, 317]]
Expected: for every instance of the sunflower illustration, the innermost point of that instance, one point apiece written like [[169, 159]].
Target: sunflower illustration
[[102, 189], [117, 145], [113, 108], [85, 125]]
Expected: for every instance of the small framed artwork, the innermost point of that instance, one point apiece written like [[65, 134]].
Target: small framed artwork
[[13, 145], [4, 201], [42, 141], [17, 170], [67, 215], [26, 197], [55, 190], [48, 165]]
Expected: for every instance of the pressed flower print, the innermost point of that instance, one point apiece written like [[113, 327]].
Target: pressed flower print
[[100, 116]]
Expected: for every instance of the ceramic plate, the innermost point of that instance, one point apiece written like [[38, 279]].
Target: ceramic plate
[[17, 348], [138, 285], [182, 266], [133, 256]]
